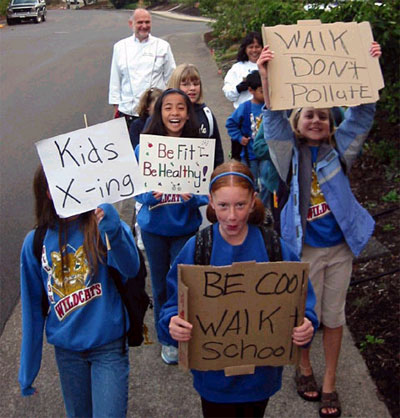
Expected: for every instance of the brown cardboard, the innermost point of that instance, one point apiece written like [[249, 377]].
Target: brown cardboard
[[242, 315], [322, 65]]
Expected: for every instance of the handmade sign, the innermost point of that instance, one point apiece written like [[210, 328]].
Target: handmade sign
[[176, 165], [90, 166], [242, 315], [322, 65]]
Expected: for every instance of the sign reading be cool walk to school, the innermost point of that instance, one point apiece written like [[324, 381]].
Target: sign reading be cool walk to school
[[242, 315], [321, 65]]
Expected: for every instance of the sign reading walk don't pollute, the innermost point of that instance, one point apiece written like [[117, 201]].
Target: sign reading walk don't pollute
[[322, 65], [176, 165], [87, 167]]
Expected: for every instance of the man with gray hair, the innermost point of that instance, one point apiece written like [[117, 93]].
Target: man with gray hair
[[139, 62]]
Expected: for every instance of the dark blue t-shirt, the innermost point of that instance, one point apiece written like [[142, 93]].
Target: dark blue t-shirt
[[322, 230]]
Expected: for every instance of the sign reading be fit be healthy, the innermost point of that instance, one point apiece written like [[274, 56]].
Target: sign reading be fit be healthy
[[176, 165]]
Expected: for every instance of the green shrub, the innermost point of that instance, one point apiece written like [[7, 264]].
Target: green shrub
[[3, 7], [120, 4], [236, 18]]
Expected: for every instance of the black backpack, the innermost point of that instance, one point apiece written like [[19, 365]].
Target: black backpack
[[133, 293], [204, 241]]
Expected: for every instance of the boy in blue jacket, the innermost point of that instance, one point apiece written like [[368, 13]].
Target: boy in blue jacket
[[244, 122]]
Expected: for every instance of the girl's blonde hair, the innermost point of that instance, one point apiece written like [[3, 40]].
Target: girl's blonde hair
[[185, 72], [146, 99], [258, 213], [294, 121]]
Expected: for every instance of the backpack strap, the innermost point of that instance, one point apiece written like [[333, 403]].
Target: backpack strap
[[203, 246], [210, 119], [272, 243], [38, 239]]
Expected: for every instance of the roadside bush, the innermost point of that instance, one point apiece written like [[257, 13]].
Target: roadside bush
[[3, 7], [120, 4], [384, 20], [234, 19]]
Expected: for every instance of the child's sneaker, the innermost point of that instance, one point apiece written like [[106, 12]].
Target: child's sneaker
[[169, 354]]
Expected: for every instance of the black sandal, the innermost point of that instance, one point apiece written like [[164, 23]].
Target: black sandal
[[330, 400], [307, 384]]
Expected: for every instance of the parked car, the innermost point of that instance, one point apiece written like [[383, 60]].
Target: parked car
[[19, 10]]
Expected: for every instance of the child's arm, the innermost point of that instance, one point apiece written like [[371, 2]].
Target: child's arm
[[170, 308], [262, 63], [234, 127], [195, 200], [353, 131], [219, 152], [277, 130], [33, 320], [303, 334], [123, 253], [260, 147], [231, 81]]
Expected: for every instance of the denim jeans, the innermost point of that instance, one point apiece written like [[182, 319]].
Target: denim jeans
[[161, 251], [94, 382], [254, 168]]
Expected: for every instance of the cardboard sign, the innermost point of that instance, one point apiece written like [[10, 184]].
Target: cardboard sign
[[176, 165], [90, 166], [322, 65], [242, 315]]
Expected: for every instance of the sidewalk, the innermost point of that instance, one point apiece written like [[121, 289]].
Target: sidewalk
[[157, 390]]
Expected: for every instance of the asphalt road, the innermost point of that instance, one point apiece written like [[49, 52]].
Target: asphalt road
[[51, 74]]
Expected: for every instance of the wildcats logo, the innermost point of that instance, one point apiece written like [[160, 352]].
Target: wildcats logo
[[318, 206], [317, 211], [76, 299], [71, 282], [168, 199]]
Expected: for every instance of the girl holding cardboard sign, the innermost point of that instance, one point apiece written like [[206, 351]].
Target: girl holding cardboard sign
[[66, 287], [235, 212], [321, 218], [167, 221]]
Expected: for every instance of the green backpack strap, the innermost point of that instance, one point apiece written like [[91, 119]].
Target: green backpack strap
[[272, 243], [203, 246]]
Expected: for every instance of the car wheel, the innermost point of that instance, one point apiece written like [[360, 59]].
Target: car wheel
[[10, 22], [44, 17], [38, 19]]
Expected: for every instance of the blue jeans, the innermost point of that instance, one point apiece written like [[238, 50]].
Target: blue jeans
[[161, 252], [254, 168], [94, 382]]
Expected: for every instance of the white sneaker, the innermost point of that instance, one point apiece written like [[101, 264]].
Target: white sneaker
[[169, 354]]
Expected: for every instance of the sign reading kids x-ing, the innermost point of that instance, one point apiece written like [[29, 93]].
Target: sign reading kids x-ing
[[176, 165], [90, 166], [322, 65]]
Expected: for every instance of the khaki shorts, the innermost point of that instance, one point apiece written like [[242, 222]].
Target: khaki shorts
[[330, 272]]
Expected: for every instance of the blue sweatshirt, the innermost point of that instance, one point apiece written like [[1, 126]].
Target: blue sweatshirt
[[214, 386], [85, 311], [245, 121], [170, 215]]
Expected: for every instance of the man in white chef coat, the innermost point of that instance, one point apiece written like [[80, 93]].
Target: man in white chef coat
[[139, 62]]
